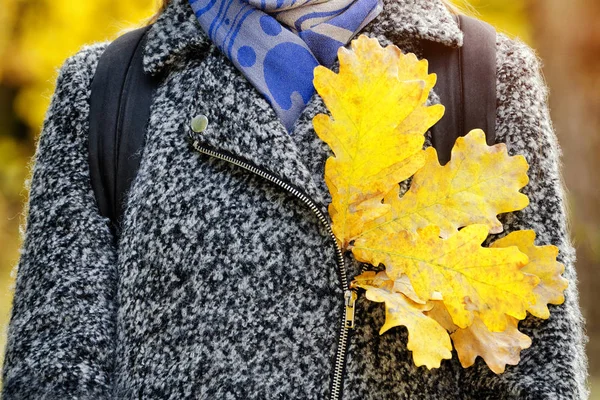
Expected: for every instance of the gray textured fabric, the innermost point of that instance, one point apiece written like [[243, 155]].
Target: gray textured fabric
[[224, 285]]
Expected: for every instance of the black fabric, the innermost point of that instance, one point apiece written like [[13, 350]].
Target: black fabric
[[121, 96], [466, 84]]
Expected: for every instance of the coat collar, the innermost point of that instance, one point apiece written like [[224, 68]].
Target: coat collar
[[265, 143], [177, 32]]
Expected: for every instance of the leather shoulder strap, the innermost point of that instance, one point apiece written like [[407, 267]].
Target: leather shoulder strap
[[466, 84], [121, 96]]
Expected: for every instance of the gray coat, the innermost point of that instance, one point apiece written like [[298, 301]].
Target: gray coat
[[225, 285]]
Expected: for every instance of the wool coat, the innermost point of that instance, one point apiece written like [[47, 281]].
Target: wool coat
[[225, 285]]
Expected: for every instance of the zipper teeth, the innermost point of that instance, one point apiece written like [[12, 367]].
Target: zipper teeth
[[343, 337], [339, 364]]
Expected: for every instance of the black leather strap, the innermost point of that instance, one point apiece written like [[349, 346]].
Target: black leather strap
[[466, 84], [121, 95]]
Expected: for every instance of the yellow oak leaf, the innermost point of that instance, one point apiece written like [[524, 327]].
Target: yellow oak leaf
[[542, 263], [469, 277], [380, 279], [439, 282], [478, 183], [439, 312], [427, 340], [376, 128], [497, 349]]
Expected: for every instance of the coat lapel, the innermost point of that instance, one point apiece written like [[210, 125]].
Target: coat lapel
[[241, 121]]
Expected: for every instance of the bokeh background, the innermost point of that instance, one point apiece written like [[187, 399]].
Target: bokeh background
[[37, 36]]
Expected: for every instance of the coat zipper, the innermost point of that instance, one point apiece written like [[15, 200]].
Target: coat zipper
[[350, 295]]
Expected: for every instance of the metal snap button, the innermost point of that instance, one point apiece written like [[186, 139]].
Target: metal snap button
[[199, 123]]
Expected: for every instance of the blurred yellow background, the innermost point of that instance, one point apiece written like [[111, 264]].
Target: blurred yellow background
[[37, 36]]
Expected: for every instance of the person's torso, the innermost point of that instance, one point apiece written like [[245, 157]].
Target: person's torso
[[229, 284]]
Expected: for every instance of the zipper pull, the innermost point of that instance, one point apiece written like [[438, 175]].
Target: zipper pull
[[350, 300]]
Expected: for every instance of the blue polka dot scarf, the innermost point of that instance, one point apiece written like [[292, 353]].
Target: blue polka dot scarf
[[277, 44]]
